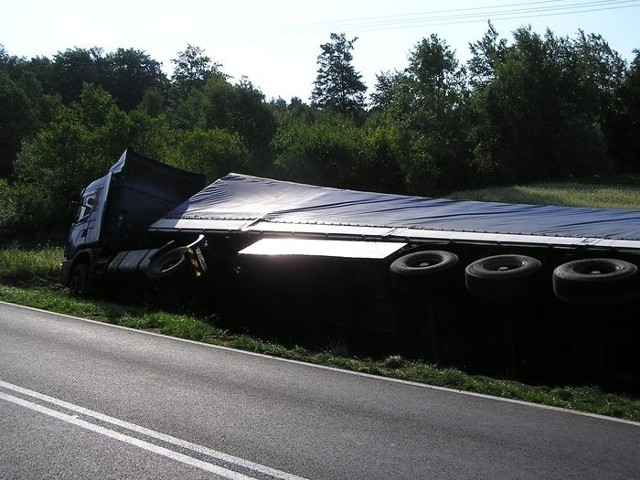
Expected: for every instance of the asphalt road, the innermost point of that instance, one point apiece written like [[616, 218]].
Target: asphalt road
[[79, 399]]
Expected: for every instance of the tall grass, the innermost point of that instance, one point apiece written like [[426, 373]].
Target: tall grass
[[569, 194], [30, 267]]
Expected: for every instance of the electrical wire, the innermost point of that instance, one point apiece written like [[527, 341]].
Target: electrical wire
[[495, 12]]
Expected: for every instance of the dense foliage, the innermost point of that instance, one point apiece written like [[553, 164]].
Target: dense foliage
[[531, 108]]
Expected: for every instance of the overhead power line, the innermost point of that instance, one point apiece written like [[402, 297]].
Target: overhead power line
[[495, 12]]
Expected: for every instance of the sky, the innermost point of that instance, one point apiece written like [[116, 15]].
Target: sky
[[275, 43]]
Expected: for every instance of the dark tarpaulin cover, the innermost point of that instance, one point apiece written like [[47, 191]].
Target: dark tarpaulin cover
[[253, 199]]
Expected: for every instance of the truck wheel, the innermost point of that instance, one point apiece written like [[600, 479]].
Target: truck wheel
[[502, 276], [592, 281], [79, 280], [168, 265], [415, 272]]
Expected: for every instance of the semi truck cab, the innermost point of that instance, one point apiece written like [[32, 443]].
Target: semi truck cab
[[109, 234]]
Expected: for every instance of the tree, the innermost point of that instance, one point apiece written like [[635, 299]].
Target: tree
[[338, 87], [323, 152], [486, 53], [624, 123], [130, 74], [424, 108], [237, 108], [214, 152], [14, 105], [77, 146], [539, 117], [193, 68], [24, 107], [73, 68], [385, 89]]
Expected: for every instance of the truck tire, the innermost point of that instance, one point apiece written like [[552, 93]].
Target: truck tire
[[502, 276], [79, 280], [592, 281], [169, 265], [418, 271]]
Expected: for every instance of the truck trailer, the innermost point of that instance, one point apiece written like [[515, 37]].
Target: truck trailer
[[404, 271]]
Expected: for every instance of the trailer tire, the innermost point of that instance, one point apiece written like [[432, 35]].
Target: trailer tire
[[79, 280], [594, 281], [417, 271], [168, 265], [502, 276]]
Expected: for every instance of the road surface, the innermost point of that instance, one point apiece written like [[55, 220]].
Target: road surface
[[80, 399]]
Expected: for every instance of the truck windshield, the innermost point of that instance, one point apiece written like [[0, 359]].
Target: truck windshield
[[88, 204]]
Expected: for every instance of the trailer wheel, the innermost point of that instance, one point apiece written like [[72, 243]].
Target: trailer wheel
[[502, 276], [414, 272], [596, 281], [168, 265], [79, 280]]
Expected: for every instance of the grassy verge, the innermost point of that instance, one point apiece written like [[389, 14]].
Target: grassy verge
[[623, 196]]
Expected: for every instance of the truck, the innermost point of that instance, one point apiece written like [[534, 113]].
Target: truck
[[109, 240], [493, 285]]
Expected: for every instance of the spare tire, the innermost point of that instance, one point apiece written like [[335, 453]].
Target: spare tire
[[592, 281], [414, 272], [169, 265], [502, 276]]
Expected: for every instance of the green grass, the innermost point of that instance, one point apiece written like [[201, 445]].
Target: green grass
[[37, 266], [570, 194], [29, 277]]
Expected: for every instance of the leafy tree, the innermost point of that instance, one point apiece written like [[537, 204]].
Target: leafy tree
[[385, 89], [214, 152], [624, 123], [378, 167], [534, 119], [285, 113], [486, 53], [23, 104], [130, 74], [73, 68], [325, 152], [238, 108], [424, 106], [241, 108], [14, 121], [153, 102], [8, 208], [338, 87], [10, 64], [193, 68], [77, 146]]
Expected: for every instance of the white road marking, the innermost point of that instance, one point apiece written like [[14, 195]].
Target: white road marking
[[165, 452], [73, 419]]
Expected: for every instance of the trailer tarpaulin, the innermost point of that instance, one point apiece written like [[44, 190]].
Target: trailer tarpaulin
[[246, 203]]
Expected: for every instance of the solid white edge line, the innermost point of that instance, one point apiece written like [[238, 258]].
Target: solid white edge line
[[349, 372], [237, 461], [165, 452]]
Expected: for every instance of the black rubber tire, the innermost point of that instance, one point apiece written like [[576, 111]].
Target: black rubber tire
[[502, 276], [593, 281], [169, 265], [418, 271], [79, 280]]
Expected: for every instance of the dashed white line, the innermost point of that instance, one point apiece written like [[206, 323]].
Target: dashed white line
[[186, 459]]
